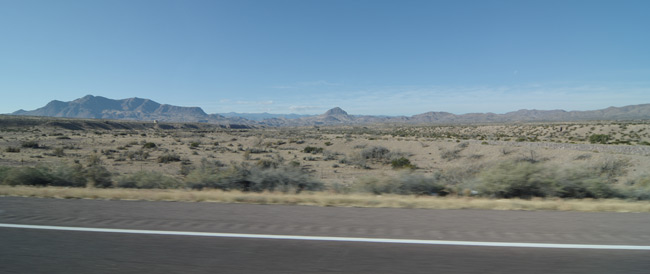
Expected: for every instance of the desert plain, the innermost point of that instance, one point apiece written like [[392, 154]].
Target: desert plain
[[599, 159]]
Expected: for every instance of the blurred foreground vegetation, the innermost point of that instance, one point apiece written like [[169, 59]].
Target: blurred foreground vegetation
[[523, 178]]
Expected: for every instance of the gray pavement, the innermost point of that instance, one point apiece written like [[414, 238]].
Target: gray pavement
[[45, 251]]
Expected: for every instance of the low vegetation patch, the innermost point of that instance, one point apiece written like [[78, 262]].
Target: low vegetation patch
[[328, 199]]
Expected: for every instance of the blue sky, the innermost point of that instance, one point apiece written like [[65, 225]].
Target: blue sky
[[367, 57]]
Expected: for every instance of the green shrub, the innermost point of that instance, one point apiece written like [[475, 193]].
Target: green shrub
[[30, 144], [27, 176], [12, 150], [404, 184], [98, 176], [402, 163], [149, 145], [638, 188], [599, 138], [583, 183], [44, 175], [4, 170], [313, 150], [148, 180], [207, 175], [251, 178], [528, 179], [282, 179], [517, 180]]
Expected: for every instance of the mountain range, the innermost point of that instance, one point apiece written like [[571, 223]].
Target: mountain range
[[97, 107]]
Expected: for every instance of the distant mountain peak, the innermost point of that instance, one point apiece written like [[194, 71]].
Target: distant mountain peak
[[337, 111], [98, 107]]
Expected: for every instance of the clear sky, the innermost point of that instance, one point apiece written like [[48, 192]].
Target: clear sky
[[367, 57]]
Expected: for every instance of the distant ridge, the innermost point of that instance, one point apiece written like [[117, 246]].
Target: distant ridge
[[261, 116], [97, 107]]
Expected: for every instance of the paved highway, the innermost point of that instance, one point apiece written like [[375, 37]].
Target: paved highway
[[32, 247]]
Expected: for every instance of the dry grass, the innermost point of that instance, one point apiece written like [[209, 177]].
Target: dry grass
[[329, 199]]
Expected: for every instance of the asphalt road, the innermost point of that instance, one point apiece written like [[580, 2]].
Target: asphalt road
[[25, 250]]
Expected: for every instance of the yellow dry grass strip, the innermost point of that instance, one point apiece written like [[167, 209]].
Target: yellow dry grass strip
[[328, 199]]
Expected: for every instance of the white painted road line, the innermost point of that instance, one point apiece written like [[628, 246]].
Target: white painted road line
[[326, 238]]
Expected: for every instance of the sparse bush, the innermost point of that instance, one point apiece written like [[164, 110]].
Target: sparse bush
[[252, 178], [267, 163], [375, 153], [355, 159], [94, 160], [169, 157], [530, 157], [58, 152], [451, 155], [12, 150], [329, 155], [138, 155], [256, 150], [610, 168], [30, 144], [475, 156], [186, 167]]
